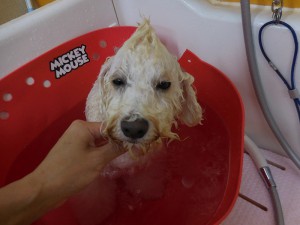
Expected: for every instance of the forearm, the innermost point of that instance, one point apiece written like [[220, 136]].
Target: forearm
[[73, 163], [23, 201]]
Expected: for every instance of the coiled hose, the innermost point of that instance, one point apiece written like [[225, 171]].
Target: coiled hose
[[257, 84]]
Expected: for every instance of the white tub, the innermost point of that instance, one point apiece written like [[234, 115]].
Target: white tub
[[213, 32]]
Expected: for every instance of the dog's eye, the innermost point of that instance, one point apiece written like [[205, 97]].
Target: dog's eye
[[163, 85], [118, 82]]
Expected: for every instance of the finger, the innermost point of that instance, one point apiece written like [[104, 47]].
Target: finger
[[84, 129], [109, 152], [96, 139], [94, 129]]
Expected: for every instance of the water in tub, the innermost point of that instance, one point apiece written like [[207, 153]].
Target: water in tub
[[181, 184]]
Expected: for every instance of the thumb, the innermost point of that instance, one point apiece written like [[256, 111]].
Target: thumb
[[109, 152], [95, 138], [94, 129]]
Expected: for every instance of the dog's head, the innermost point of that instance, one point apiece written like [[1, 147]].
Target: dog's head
[[141, 91]]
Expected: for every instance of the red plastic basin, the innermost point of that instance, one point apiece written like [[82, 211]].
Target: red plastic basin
[[37, 105]]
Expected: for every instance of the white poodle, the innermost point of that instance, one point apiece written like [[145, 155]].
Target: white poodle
[[140, 93]]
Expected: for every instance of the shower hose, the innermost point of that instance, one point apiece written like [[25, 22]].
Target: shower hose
[[257, 84], [250, 146], [265, 172]]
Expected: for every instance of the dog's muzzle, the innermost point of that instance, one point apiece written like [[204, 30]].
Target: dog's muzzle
[[134, 129]]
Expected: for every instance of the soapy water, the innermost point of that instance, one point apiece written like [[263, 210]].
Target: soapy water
[[183, 183]]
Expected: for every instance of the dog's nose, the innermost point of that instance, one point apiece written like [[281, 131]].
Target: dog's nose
[[135, 129]]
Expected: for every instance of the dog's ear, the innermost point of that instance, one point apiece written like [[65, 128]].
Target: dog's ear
[[191, 113], [95, 105]]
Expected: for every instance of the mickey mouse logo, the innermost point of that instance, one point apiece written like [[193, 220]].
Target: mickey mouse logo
[[69, 61]]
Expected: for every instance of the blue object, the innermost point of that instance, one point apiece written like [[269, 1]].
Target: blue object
[[294, 93], [29, 5]]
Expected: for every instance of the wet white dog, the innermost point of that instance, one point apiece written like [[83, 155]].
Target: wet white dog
[[139, 95], [141, 92]]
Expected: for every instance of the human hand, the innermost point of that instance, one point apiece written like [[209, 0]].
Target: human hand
[[75, 161]]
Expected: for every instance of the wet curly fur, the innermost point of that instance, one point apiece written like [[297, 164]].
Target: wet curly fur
[[132, 84], [143, 81]]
